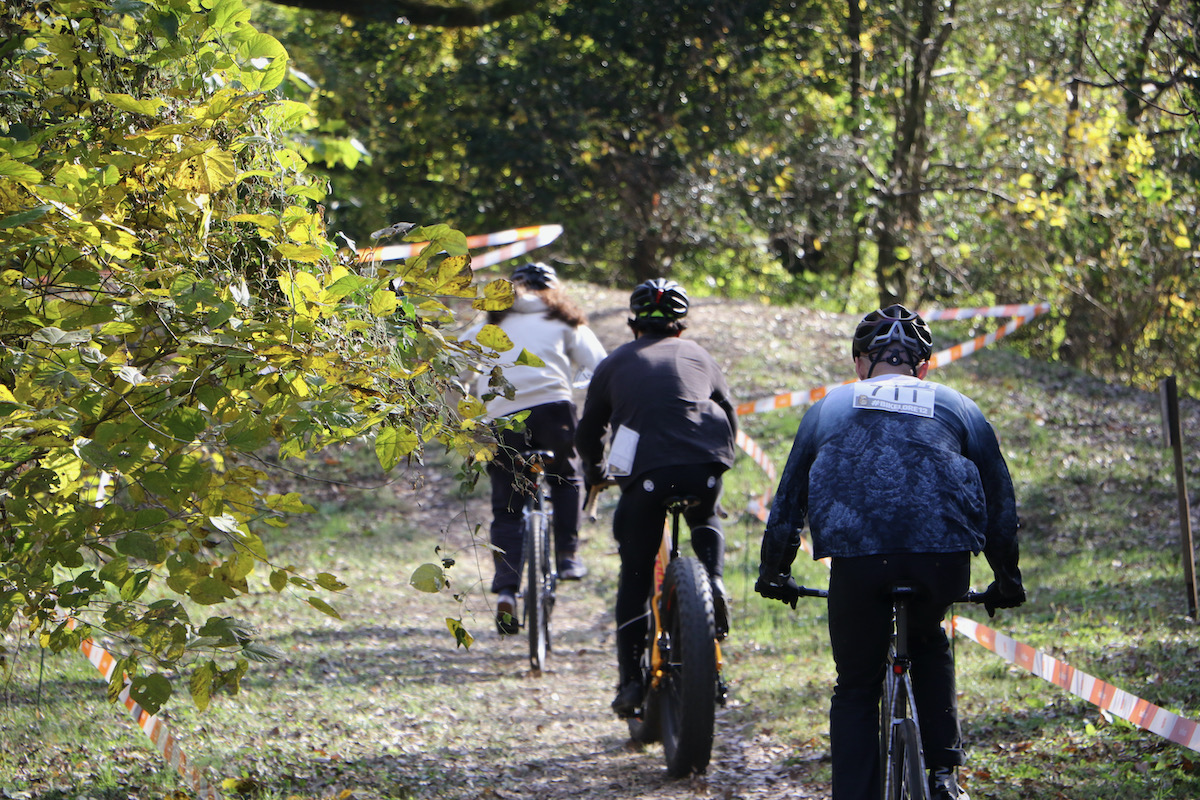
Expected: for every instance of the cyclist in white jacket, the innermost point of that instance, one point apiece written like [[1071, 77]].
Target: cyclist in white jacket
[[545, 322]]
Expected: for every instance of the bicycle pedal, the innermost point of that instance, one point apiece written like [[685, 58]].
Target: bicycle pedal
[[722, 692]]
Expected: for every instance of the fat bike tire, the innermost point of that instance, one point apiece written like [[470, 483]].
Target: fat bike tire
[[690, 683]]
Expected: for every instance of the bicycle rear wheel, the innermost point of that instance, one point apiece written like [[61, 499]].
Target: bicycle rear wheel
[[907, 765], [539, 589], [689, 684]]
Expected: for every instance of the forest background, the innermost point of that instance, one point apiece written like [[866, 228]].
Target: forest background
[[934, 152], [184, 184]]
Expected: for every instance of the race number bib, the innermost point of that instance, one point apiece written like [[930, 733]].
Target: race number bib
[[896, 396]]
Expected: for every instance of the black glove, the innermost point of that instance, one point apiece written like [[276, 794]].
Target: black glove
[[993, 598], [783, 589]]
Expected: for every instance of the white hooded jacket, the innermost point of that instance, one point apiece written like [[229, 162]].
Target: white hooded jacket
[[569, 353]]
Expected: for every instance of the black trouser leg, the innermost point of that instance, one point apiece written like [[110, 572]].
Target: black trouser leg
[[860, 624], [638, 525]]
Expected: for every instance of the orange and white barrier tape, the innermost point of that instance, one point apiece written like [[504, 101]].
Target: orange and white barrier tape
[[151, 725], [980, 342], [1107, 697], [759, 506], [1026, 310], [516, 241], [1021, 314]]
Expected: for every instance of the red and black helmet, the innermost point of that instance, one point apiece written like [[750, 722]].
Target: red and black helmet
[[893, 325], [659, 298]]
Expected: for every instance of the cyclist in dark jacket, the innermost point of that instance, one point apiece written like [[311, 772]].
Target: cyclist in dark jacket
[[673, 424], [899, 479]]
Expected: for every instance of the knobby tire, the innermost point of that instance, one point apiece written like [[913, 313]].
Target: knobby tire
[[688, 691], [537, 584], [909, 765]]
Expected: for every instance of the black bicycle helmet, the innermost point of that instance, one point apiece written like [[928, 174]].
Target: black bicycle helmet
[[660, 298], [893, 325], [535, 275]]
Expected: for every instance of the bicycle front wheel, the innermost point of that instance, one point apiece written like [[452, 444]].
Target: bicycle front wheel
[[538, 584], [688, 690]]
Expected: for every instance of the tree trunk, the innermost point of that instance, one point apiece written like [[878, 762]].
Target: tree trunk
[[899, 261]]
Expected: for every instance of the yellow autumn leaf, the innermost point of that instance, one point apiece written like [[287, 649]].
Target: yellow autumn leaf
[[207, 172], [493, 336]]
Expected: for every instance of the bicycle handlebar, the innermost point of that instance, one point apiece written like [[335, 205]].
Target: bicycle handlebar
[[971, 596]]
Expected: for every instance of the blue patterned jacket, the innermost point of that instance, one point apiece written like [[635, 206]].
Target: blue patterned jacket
[[894, 464]]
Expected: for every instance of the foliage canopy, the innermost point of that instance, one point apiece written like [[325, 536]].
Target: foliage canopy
[[931, 152], [175, 320]]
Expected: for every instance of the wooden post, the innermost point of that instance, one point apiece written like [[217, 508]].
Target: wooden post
[[1173, 438]]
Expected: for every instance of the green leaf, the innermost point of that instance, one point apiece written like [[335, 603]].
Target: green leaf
[[18, 171], [393, 444], [137, 544], [528, 359], [201, 684], [56, 337], [279, 579], [262, 653], [327, 581], [148, 107], [27, 217], [150, 691], [209, 591], [428, 578], [323, 607]]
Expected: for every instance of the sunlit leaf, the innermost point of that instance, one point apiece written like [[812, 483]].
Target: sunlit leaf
[[462, 637], [429, 578], [393, 444], [498, 295], [494, 337], [528, 359]]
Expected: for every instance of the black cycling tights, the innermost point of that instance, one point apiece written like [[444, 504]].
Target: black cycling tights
[[638, 525]]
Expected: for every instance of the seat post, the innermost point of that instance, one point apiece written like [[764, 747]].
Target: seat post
[[900, 596]]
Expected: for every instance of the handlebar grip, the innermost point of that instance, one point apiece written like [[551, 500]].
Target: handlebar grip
[[972, 596]]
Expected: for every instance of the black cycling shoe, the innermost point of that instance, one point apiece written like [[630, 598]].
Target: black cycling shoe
[[943, 785], [628, 700]]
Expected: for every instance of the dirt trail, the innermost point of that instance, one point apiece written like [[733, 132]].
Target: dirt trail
[[384, 699]]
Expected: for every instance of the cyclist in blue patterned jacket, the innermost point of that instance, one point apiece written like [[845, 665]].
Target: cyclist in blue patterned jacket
[[898, 479]]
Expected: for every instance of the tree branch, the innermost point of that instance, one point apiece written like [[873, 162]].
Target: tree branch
[[415, 12]]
